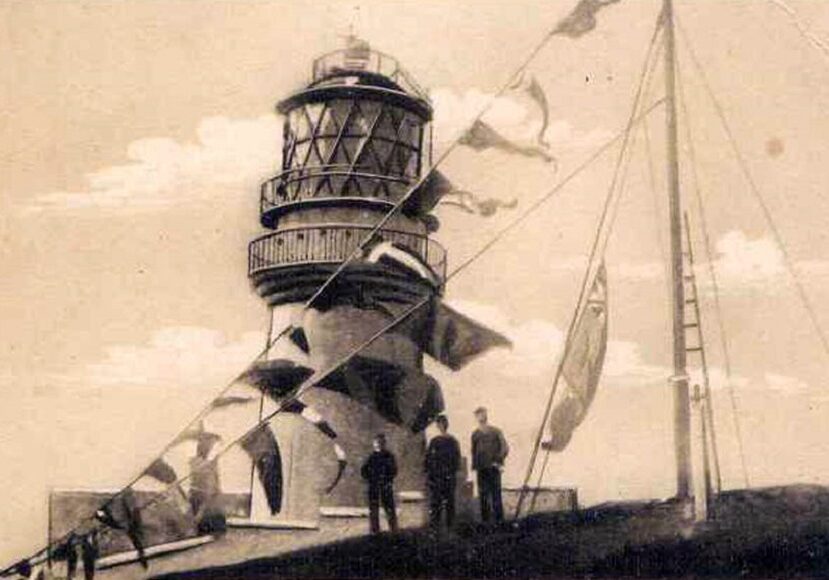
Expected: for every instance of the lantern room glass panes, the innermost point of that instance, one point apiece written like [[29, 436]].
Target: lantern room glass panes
[[350, 147]]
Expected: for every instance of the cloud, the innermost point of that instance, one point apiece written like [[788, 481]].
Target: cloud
[[513, 115], [785, 384], [228, 156], [173, 358], [745, 261], [636, 271], [741, 263], [455, 111], [537, 346], [232, 155]]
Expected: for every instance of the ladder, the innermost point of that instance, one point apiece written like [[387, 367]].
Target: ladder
[[695, 342]]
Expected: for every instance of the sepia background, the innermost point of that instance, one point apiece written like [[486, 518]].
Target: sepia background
[[133, 137]]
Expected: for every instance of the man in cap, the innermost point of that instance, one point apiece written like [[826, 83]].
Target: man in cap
[[443, 459], [379, 470], [489, 450]]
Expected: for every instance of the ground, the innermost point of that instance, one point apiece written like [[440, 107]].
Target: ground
[[769, 533]]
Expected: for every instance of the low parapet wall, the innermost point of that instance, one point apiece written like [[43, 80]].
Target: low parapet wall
[[542, 499]]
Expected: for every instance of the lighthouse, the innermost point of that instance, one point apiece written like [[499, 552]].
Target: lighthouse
[[356, 139]]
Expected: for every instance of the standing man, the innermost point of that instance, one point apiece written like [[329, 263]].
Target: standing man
[[379, 471], [489, 450], [443, 459]]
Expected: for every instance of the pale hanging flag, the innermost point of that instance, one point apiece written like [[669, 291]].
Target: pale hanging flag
[[401, 258], [471, 203], [440, 190], [533, 90], [482, 136], [582, 366], [582, 19]]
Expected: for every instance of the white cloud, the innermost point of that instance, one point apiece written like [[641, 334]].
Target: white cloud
[[537, 345], [231, 156], [745, 261], [513, 115], [741, 263], [645, 271], [455, 111], [174, 357], [228, 156], [562, 135], [786, 385]]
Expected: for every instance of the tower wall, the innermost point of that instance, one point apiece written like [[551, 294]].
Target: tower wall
[[356, 139]]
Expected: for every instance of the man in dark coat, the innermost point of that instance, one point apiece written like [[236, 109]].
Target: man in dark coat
[[379, 470], [443, 459], [489, 450]]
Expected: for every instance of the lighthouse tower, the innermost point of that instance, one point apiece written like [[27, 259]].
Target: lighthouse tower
[[355, 140]]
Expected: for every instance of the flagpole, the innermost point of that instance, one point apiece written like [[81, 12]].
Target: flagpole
[[679, 380]]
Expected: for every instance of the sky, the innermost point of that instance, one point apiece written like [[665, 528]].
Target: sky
[[134, 135]]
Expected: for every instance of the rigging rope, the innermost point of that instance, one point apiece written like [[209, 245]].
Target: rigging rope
[[560, 185], [758, 196], [628, 154], [316, 378], [655, 206], [711, 265], [814, 40], [593, 254], [268, 339], [494, 240]]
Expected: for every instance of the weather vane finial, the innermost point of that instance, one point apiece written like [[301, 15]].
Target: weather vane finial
[[352, 38]]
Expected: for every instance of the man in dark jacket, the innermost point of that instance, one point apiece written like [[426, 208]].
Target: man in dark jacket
[[379, 471], [443, 458], [489, 450]]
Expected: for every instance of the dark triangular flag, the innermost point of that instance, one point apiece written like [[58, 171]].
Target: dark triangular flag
[[24, 568], [230, 401], [315, 418], [277, 378], [162, 471], [482, 136], [263, 449], [432, 406], [454, 339], [370, 382], [122, 513], [298, 337], [205, 440], [582, 19]]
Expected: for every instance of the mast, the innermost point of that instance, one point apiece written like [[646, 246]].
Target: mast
[[682, 415]]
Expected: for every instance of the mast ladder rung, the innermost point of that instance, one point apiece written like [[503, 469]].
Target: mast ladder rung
[[694, 349], [691, 325]]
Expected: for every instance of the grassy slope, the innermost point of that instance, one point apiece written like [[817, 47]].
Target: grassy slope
[[778, 532]]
